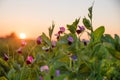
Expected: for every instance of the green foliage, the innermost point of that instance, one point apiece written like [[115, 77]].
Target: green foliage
[[98, 33], [117, 42], [72, 28], [90, 12], [113, 46], [51, 30], [95, 59], [4, 67], [46, 39], [3, 78], [87, 24], [114, 52]]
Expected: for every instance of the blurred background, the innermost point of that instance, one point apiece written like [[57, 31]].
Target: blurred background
[[32, 17]]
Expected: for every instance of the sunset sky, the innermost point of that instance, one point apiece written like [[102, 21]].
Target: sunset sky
[[33, 17]]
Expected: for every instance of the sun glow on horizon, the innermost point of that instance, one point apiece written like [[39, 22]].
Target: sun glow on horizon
[[22, 35]]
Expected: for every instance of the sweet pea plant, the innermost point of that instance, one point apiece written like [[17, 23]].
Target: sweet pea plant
[[66, 58]]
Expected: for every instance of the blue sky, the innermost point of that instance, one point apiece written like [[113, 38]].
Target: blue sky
[[35, 16]]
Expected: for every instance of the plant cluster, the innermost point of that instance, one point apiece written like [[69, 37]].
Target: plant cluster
[[66, 58]]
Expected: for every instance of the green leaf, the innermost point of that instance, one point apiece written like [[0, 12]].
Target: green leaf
[[113, 52], [84, 68], [72, 28], [47, 77], [46, 39], [17, 76], [61, 77], [16, 66], [87, 23], [11, 74], [108, 38], [25, 73], [90, 12], [98, 33], [117, 42], [96, 49], [117, 39], [3, 78], [4, 65], [90, 9], [51, 30]]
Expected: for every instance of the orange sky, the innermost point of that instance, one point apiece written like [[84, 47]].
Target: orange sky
[[35, 16]]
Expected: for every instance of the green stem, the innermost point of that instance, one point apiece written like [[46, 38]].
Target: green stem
[[32, 49], [22, 71], [70, 64], [74, 66]]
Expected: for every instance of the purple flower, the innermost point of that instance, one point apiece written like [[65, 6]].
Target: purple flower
[[74, 57], [39, 40], [57, 72], [78, 31], [53, 44], [81, 28], [23, 43], [41, 78], [19, 50], [70, 40], [57, 35], [44, 68], [6, 57], [62, 29], [29, 60]]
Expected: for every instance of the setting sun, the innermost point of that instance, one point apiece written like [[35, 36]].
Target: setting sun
[[22, 35]]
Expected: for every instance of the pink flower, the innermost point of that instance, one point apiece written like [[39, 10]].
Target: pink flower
[[62, 29], [29, 60], [6, 57], [23, 43], [39, 40], [53, 44], [19, 50], [44, 68], [59, 32]]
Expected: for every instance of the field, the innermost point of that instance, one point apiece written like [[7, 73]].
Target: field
[[68, 57]]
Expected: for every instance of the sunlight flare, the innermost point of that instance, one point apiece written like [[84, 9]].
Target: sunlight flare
[[22, 35]]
